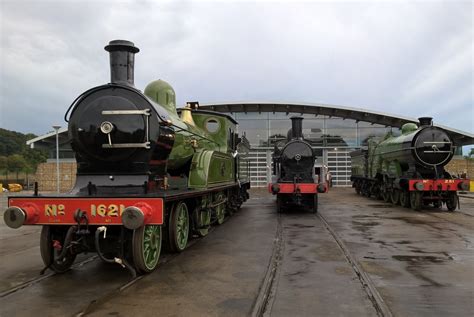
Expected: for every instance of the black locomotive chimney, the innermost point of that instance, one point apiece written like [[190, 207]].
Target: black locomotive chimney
[[425, 121], [296, 127], [122, 60]]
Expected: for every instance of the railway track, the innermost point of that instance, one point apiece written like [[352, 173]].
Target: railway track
[[265, 298], [164, 258], [43, 277], [367, 284], [91, 303]]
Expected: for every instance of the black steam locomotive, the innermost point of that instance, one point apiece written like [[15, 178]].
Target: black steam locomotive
[[294, 180]]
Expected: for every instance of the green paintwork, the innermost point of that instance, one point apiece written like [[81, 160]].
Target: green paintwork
[[409, 127], [211, 168], [182, 225], [221, 136], [220, 209], [358, 166], [163, 94], [210, 152], [385, 155], [151, 245], [203, 217]]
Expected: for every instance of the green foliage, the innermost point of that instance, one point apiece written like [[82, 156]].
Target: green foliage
[[16, 163], [15, 155]]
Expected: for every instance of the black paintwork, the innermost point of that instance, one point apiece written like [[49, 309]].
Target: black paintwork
[[87, 139], [293, 160]]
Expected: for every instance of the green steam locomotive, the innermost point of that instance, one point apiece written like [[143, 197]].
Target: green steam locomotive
[[147, 174], [408, 169]]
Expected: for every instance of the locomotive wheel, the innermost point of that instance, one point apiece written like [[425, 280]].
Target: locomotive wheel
[[415, 200], [315, 204], [395, 197], [405, 198], [178, 231], [146, 247], [357, 187], [385, 196], [203, 222], [48, 251], [452, 201], [220, 210]]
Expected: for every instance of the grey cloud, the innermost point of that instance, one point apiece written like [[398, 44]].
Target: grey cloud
[[400, 57]]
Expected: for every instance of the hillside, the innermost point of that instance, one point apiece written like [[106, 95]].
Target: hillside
[[15, 155]]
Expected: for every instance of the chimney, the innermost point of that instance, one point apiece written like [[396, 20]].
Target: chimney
[[296, 127], [122, 60], [425, 121]]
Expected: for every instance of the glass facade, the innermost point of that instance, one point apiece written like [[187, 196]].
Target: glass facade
[[335, 137]]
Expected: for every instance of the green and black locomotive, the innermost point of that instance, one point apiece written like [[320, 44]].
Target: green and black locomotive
[[408, 169], [147, 174]]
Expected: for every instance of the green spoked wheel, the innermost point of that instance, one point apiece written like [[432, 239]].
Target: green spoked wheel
[[48, 252], [415, 200], [179, 227], [146, 247], [405, 198], [220, 210]]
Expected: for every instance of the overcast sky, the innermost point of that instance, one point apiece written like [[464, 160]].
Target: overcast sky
[[412, 58]]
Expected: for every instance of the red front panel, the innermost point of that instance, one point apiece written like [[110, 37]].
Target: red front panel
[[100, 211], [289, 188], [436, 184]]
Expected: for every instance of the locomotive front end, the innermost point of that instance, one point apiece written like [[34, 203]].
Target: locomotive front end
[[432, 146], [294, 182], [115, 127]]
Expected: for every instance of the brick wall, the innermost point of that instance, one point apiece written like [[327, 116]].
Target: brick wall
[[458, 165], [46, 176]]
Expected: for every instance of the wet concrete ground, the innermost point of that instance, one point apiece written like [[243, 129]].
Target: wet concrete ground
[[422, 263]]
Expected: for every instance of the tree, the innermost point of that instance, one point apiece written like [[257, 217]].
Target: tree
[[471, 153], [4, 166], [34, 157], [16, 163]]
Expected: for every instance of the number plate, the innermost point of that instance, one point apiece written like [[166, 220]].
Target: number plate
[[99, 211]]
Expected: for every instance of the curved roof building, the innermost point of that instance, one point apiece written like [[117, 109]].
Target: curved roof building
[[334, 130]]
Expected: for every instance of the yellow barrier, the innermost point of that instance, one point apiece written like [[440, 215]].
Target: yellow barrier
[[471, 186], [15, 187]]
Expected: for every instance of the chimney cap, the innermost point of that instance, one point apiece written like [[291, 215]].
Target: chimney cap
[[124, 45], [425, 121]]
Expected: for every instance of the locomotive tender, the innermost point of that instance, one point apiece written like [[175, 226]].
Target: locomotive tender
[[146, 173], [294, 179], [408, 169]]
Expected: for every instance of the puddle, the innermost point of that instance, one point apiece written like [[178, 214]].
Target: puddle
[[420, 259]]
